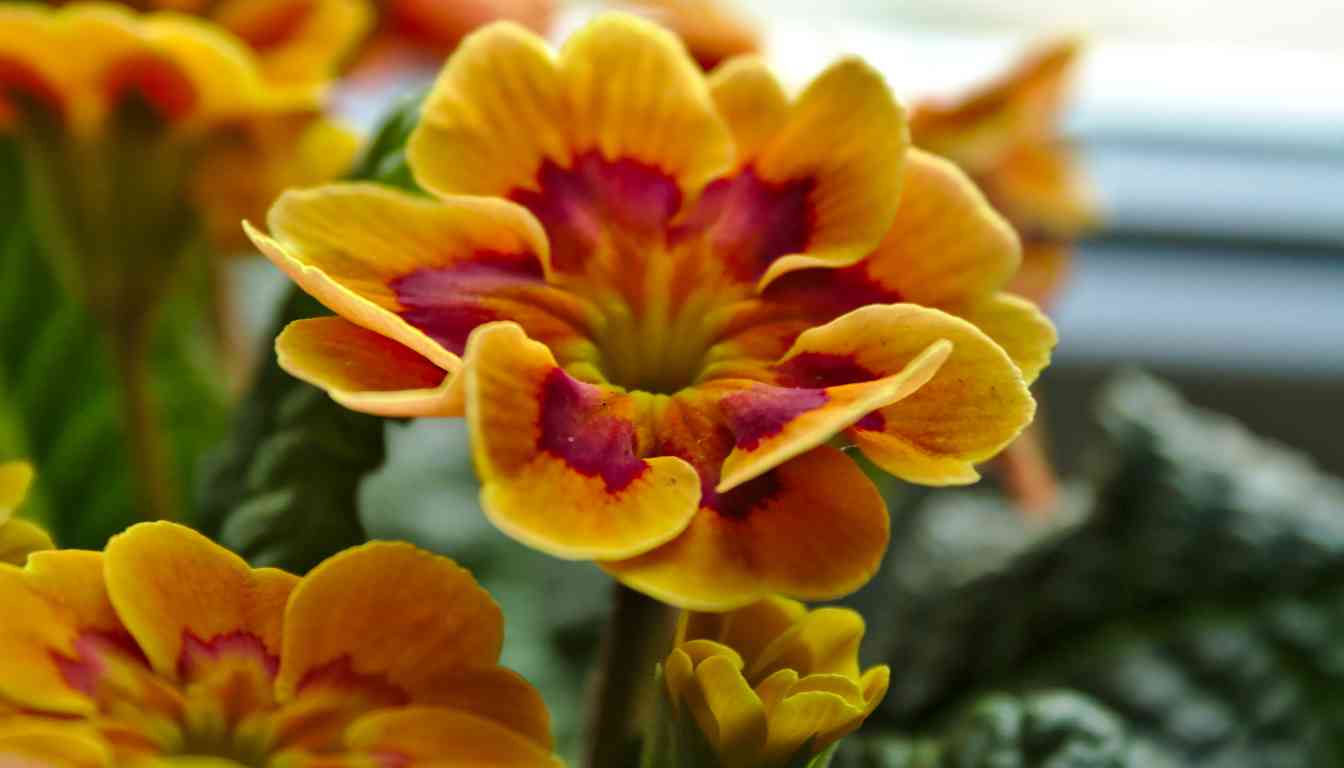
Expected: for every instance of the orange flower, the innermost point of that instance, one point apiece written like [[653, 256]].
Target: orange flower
[[660, 300], [170, 648], [18, 538], [769, 685], [294, 41], [1005, 136], [711, 30]]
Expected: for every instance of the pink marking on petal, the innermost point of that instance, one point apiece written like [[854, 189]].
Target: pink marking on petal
[[574, 430], [156, 80], [198, 654], [873, 422], [832, 291], [751, 222], [17, 79], [577, 205], [821, 370], [445, 302], [763, 411], [85, 670], [340, 674]]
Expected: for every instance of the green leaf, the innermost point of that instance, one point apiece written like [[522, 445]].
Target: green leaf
[[59, 400], [1049, 729], [283, 490], [1198, 594]]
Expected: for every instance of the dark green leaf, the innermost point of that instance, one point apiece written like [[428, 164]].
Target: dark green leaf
[[1199, 594], [283, 490], [1052, 729]]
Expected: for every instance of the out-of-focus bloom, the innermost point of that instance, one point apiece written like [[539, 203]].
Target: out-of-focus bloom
[[660, 299], [167, 648], [1006, 136], [435, 27], [18, 538], [712, 30], [246, 167], [294, 41], [771, 684], [114, 111]]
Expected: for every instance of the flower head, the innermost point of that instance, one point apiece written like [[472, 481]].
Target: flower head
[[660, 299], [1006, 137], [18, 538], [773, 682], [169, 647]]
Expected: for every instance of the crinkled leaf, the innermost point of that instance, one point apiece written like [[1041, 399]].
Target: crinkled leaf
[[283, 490], [1048, 729], [59, 402], [1198, 593]]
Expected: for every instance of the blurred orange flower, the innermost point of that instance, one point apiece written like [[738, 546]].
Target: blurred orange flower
[[660, 299], [711, 29], [1006, 136], [169, 645]]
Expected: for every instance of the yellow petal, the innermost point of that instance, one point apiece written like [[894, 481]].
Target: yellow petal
[[824, 642], [392, 613], [35, 631], [170, 583], [1015, 324], [733, 719], [751, 101], [815, 527], [445, 737], [975, 405], [847, 133], [800, 720], [557, 459], [946, 244], [365, 371], [28, 742], [497, 694]]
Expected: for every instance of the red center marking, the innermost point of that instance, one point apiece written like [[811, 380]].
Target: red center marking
[[575, 429], [447, 302], [164, 87], [763, 411]]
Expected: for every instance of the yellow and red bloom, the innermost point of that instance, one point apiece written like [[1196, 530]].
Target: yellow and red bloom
[[168, 647], [294, 41], [659, 298], [1006, 136], [18, 538], [773, 683]]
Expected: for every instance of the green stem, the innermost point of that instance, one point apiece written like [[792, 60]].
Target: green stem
[[637, 636], [130, 343]]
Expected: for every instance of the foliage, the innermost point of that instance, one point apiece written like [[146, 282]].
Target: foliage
[[59, 402], [283, 490], [1196, 594]]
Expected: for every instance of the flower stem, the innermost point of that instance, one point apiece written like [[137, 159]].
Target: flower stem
[[1028, 476], [130, 343], [637, 636]]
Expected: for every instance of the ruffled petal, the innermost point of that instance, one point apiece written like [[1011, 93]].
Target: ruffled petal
[[800, 719], [386, 614], [771, 424], [622, 88], [35, 631], [366, 371], [815, 527], [946, 244], [559, 459], [747, 630], [751, 101], [187, 600], [975, 405], [822, 190], [421, 272], [1015, 324], [823, 642], [436, 736], [497, 694]]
